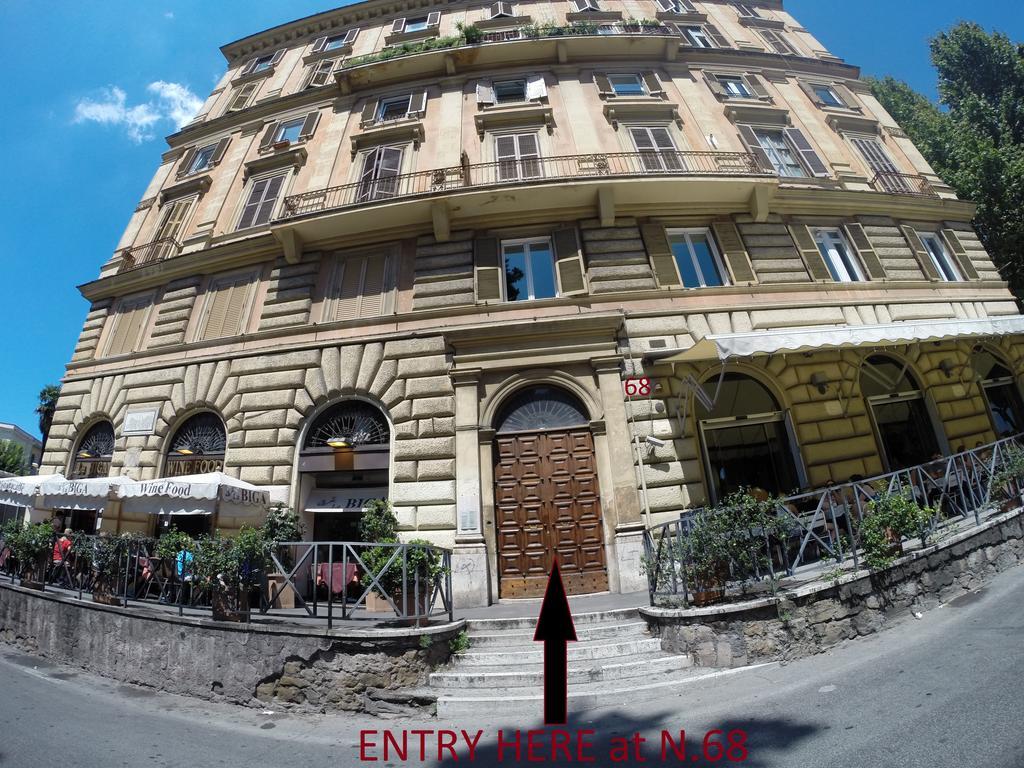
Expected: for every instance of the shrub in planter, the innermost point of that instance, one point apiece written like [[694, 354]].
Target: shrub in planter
[[471, 33], [1008, 480], [229, 568], [282, 524], [167, 549], [32, 545], [108, 561], [425, 563], [379, 525], [891, 518]]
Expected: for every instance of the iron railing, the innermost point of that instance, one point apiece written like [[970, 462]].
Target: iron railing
[[525, 171], [148, 253], [327, 580], [903, 184], [824, 525]]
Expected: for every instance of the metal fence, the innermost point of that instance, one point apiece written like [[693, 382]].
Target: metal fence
[[823, 526], [522, 171], [319, 580], [903, 184], [148, 253]]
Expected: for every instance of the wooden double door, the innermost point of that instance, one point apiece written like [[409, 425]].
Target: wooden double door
[[547, 504]]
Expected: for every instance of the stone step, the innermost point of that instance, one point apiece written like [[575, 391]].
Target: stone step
[[501, 678], [581, 696], [488, 626], [576, 652], [524, 637]]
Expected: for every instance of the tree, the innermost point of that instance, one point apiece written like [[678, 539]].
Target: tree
[[977, 143], [12, 457], [47, 405]]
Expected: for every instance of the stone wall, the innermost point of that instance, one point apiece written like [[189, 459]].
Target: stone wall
[[816, 617], [297, 668]]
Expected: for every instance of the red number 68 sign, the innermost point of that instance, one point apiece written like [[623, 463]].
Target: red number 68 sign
[[636, 387]]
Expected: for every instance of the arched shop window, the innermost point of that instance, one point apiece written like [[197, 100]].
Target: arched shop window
[[746, 438], [905, 428], [344, 465], [539, 408], [94, 453], [1001, 392], [197, 447]]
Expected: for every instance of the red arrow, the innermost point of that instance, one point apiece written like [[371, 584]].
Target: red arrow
[[555, 629]]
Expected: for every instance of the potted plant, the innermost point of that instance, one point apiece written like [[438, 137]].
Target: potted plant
[[1008, 480], [107, 559], [378, 525], [229, 569], [32, 545], [890, 518], [282, 525], [471, 33], [424, 566]]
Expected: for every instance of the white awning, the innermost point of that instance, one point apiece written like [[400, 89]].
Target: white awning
[[90, 494], [22, 491], [194, 495], [343, 499], [749, 344]]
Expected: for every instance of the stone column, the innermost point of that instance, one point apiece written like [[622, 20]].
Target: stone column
[[470, 582], [629, 524]]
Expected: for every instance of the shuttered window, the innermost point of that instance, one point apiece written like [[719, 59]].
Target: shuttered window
[[129, 322], [379, 178], [702, 36], [320, 73], [696, 257], [241, 96], [173, 219], [226, 304], [780, 154], [262, 201], [361, 286], [940, 257], [777, 42], [838, 256], [518, 156], [878, 160], [529, 270], [657, 150]]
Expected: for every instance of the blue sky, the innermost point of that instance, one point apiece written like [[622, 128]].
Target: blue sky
[[135, 63]]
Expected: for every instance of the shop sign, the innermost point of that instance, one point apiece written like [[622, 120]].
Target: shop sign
[[194, 465]]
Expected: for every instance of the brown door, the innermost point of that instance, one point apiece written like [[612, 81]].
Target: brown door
[[547, 504]]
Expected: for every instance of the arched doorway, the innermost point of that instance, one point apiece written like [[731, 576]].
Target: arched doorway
[[1002, 395], [94, 453], [745, 437], [546, 496], [906, 432], [344, 464], [197, 447]]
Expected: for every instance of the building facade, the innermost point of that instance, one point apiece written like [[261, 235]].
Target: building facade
[[542, 274], [31, 447]]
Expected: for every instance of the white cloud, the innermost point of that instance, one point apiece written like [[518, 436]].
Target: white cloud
[[171, 102], [169, 15]]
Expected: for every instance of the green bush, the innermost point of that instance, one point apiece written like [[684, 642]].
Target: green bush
[[31, 545], [171, 543], [891, 518], [471, 33], [1008, 479], [380, 526]]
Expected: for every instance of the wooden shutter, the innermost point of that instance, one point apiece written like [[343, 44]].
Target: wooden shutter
[[569, 262], [716, 36], [236, 308], [666, 5], [808, 248], [806, 151], [604, 85], [536, 88], [351, 35], [868, 256], [347, 289], [488, 268], [663, 262], [397, 26], [757, 87], [249, 66], [127, 329], [174, 217], [268, 135], [811, 93], [433, 18], [218, 153], [484, 92], [319, 44], [924, 259], [651, 83], [494, 11], [716, 85], [186, 161], [278, 55], [309, 125], [755, 148], [369, 111], [845, 95], [241, 97], [227, 306], [960, 254], [734, 252], [418, 102]]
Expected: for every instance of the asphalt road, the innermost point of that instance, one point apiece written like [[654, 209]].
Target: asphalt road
[[945, 690]]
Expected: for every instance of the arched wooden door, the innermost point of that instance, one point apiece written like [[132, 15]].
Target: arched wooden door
[[547, 500]]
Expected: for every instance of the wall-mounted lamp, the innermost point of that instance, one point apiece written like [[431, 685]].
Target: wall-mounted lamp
[[338, 442], [184, 451], [946, 366], [820, 380]]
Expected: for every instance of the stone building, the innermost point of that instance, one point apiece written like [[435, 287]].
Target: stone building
[[541, 273]]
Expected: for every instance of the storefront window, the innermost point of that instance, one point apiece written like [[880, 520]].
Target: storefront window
[[1002, 393], [905, 429], [95, 451], [197, 447], [745, 438]]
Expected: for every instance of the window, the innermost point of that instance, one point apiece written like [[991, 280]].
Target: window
[[827, 96], [676, 6], [1001, 393], [697, 37], [509, 91], [361, 286], [226, 306], [336, 42], [887, 175], [396, 108], [240, 99], [262, 201], [500, 9], [777, 42], [172, 220], [586, 5], [746, 11], [379, 179], [95, 452], [128, 325], [735, 87], [198, 447], [417, 24], [697, 258], [897, 406], [202, 159], [289, 130], [838, 256], [263, 63], [529, 270], [940, 257], [657, 150], [627, 85], [320, 74], [518, 156], [780, 154]]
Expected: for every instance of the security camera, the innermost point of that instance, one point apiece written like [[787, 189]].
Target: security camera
[[657, 443]]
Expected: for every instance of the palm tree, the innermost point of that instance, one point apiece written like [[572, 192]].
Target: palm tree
[[47, 405]]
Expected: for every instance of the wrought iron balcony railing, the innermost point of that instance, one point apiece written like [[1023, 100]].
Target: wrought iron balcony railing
[[903, 184], [523, 171], [148, 253]]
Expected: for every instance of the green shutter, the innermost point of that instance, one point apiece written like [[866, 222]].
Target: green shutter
[[960, 253], [924, 260], [569, 262], [816, 266], [868, 257], [660, 253], [486, 256], [734, 252]]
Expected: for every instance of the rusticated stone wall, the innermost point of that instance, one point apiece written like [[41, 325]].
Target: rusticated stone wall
[[816, 617]]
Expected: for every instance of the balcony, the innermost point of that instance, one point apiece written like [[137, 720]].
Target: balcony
[[903, 184], [148, 253], [526, 171]]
